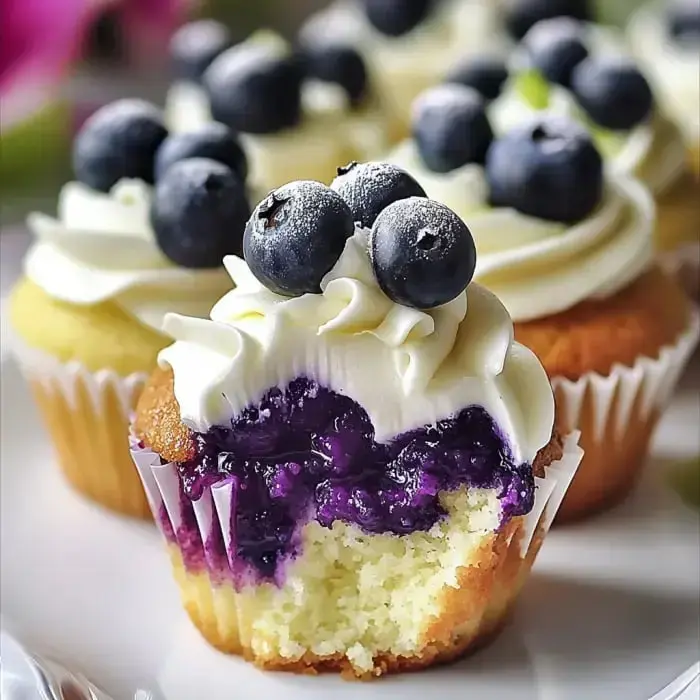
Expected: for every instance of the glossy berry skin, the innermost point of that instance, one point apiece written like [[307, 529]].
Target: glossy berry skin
[[683, 19], [199, 212], [254, 89], [213, 140], [450, 127], [396, 17], [555, 47], [522, 15], [485, 74], [337, 63], [422, 253], [118, 141], [549, 169], [295, 236], [613, 92], [195, 45], [369, 188]]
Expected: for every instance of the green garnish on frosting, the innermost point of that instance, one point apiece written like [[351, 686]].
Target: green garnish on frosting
[[685, 480], [610, 143], [534, 89]]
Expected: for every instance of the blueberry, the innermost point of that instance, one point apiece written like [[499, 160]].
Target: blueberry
[[195, 45], [212, 140], [295, 236], [396, 17], [118, 141], [255, 89], [199, 212], [369, 188], [522, 15], [613, 92], [422, 253], [555, 47], [337, 63], [450, 127], [485, 74], [549, 169], [683, 18]]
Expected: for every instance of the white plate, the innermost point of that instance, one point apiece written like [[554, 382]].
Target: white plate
[[611, 612]]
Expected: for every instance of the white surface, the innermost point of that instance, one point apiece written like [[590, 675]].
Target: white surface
[[612, 609]]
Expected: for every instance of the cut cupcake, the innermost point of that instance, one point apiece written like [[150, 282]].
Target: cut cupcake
[[100, 277], [582, 71], [352, 463], [299, 113], [568, 249]]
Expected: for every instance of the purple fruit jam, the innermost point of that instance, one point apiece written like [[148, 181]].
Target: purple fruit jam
[[307, 452]]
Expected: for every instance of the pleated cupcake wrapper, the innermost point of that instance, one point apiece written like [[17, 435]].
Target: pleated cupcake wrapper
[[684, 264], [215, 510], [87, 414], [54, 375], [648, 384]]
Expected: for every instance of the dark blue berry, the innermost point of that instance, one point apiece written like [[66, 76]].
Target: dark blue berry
[[118, 141], [213, 140], [199, 213], [485, 74], [555, 47], [549, 169], [683, 18], [369, 188], [522, 15], [422, 253], [295, 236], [255, 89], [195, 45], [397, 17], [337, 63], [450, 127], [613, 92]]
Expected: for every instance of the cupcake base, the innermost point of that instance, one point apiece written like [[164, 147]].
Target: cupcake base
[[87, 416], [270, 624], [614, 403]]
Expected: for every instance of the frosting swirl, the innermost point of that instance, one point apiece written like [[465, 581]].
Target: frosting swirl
[[406, 368], [102, 248], [672, 66], [536, 267]]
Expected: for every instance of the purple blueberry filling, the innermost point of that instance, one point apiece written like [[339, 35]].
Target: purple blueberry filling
[[307, 452]]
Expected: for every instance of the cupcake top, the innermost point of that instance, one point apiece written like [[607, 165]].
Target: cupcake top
[[665, 37], [582, 71], [239, 83], [124, 230], [384, 316], [551, 229]]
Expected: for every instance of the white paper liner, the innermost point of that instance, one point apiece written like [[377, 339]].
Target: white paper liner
[[215, 508], [55, 375], [651, 380], [684, 264]]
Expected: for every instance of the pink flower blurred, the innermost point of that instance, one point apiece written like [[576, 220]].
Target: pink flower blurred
[[43, 39]]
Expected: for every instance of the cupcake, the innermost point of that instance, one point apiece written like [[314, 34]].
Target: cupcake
[[353, 463], [568, 249], [581, 70], [409, 43], [666, 40], [299, 113], [100, 277]]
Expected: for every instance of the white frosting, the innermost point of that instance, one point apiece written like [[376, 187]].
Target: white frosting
[[537, 267], [406, 368], [404, 66], [673, 68], [102, 248]]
